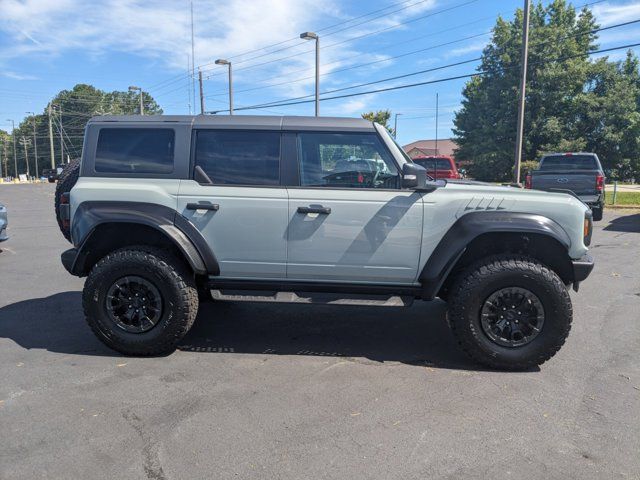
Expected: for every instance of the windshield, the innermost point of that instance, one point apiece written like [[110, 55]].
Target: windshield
[[433, 163], [568, 162]]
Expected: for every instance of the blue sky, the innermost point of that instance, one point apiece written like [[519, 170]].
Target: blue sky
[[46, 46]]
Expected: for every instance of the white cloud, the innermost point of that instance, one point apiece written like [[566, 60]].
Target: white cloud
[[17, 76], [474, 47], [608, 14]]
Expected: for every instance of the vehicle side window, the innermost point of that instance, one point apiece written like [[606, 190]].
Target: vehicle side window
[[135, 150], [345, 160], [231, 157]]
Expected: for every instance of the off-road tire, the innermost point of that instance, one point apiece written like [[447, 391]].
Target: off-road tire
[[174, 283], [479, 281], [66, 181], [597, 213]]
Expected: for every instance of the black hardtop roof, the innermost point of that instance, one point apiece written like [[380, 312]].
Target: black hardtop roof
[[251, 122]]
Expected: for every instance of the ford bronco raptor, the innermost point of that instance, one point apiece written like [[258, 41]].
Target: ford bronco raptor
[[165, 211]]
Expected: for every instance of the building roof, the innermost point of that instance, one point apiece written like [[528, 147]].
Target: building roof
[[248, 121], [446, 146]]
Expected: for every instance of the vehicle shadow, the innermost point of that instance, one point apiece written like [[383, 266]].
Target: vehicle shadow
[[627, 223], [415, 336]]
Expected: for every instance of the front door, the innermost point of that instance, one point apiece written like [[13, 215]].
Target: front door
[[242, 213], [349, 221]]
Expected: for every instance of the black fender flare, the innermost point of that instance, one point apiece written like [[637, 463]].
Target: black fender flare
[[178, 229], [471, 225]]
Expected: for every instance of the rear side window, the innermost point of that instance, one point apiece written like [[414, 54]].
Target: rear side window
[[135, 150], [569, 162], [232, 157]]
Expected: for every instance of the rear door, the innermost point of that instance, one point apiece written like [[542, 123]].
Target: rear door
[[242, 213], [349, 221]]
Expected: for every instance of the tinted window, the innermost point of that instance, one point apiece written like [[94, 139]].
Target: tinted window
[[135, 150], [239, 158], [433, 163], [569, 162], [352, 160]]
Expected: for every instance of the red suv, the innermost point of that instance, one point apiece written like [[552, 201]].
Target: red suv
[[439, 166]]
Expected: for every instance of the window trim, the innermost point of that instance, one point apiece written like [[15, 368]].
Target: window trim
[[192, 157], [171, 174], [357, 189]]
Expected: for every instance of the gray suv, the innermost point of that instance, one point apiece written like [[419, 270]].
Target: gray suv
[[164, 212]]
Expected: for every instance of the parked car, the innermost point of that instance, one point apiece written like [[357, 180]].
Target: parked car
[[166, 211], [438, 167], [579, 173], [3, 223], [53, 174]]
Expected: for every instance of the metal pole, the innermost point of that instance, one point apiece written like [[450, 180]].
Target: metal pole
[[24, 143], [437, 102], [615, 192], [201, 92], [15, 157], [395, 125], [141, 102], [230, 90], [317, 76], [523, 83], [35, 143], [61, 138], [193, 60], [53, 160]]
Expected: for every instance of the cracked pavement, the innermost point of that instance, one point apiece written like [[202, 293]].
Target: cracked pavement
[[294, 391]]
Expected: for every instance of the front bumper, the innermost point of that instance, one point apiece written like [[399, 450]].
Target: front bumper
[[581, 269]]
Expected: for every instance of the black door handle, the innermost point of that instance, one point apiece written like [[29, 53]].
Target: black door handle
[[320, 209], [203, 206]]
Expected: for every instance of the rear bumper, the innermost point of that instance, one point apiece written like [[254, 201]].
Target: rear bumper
[[582, 268]]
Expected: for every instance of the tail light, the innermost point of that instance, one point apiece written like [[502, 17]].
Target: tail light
[[599, 183], [64, 210], [527, 181]]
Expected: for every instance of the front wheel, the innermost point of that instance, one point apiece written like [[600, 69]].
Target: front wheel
[[140, 301], [510, 312]]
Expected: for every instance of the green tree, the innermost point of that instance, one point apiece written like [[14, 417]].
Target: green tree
[[485, 125], [380, 116]]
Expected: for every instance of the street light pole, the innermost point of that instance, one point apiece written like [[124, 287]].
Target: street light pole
[[35, 141], [523, 83], [201, 91], [314, 36], [15, 157], [222, 61], [395, 125]]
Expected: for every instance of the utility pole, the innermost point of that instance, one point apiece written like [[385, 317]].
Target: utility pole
[[53, 160], [523, 83], [35, 141], [395, 125], [201, 92], [61, 138], [15, 157], [437, 102], [25, 142], [193, 60], [6, 168]]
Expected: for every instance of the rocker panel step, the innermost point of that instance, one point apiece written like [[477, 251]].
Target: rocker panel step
[[317, 298]]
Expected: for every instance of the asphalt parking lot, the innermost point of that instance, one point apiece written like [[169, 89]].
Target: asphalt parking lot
[[290, 392]]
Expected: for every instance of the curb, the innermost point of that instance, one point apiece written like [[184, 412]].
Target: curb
[[622, 207]]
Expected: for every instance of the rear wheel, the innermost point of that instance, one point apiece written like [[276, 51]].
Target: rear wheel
[[66, 181], [140, 301], [510, 312]]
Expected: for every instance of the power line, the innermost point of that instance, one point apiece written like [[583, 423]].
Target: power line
[[430, 82], [397, 77]]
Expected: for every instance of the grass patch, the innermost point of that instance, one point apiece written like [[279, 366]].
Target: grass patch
[[623, 198]]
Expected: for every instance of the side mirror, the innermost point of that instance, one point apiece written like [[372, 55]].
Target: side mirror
[[413, 176]]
